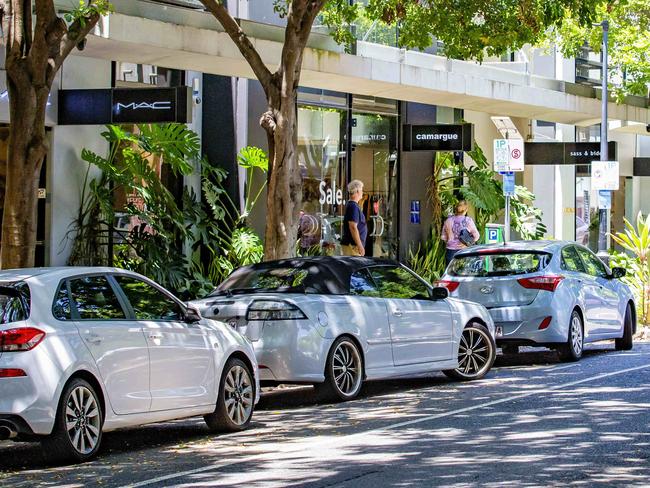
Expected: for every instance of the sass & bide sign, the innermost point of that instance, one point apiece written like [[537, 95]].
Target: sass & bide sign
[[330, 196]]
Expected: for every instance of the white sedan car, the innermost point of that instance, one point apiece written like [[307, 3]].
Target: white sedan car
[[88, 350], [337, 321]]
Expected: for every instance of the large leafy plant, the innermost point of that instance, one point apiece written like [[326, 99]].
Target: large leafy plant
[[166, 235], [636, 240]]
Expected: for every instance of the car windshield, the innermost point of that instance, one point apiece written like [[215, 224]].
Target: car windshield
[[264, 279], [498, 264], [14, 302]]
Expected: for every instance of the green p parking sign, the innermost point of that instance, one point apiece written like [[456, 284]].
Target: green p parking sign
[[493, 234]]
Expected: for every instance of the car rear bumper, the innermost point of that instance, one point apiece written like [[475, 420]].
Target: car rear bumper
[[522, 324], [31, 398], [291, 352]]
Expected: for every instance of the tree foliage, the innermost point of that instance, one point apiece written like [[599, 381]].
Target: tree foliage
[[469, 29], [628, 43]]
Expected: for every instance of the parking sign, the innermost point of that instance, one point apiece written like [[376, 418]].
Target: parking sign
[[508, 155], [501, 155], [604, 175]]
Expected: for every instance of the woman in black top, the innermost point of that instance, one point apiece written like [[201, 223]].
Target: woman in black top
[[355, 229]]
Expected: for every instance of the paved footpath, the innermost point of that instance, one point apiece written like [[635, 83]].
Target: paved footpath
[[533, 421]]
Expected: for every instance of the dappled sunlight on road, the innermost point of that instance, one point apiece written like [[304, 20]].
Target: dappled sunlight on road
[[524, 424]]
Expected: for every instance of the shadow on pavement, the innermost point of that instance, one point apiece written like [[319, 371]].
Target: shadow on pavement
[[283, 415]]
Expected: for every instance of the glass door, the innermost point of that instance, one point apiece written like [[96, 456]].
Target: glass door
[[322, 162], [375, 163]]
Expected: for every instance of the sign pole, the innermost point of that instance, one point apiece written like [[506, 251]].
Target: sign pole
[[506, 230], [603, 213]]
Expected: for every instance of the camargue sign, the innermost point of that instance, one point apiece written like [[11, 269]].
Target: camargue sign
[[440, 137], [125, 106]]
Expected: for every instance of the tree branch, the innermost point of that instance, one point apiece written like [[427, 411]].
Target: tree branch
[[241, 40], [75, 33], [300, 20]]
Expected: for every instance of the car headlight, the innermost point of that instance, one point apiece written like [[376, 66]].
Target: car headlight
[[273, 310]]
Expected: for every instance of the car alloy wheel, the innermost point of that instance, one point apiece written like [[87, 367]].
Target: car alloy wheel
[[234, 408], [346, 365], [476, 353], [77, 432], [239, 395], [83, 420], [572, 349], [576, 335], [343, 372]]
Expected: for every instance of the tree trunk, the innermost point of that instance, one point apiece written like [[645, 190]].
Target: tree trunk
[[284, 194], [27, 147]]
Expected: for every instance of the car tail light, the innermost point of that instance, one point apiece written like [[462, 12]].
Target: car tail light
[[547, 283], [23, 339], [11, 373], [450, 285], [545, 323], [273, 310]]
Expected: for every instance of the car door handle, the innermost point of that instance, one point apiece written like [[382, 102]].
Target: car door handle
[[93, 338], [397, 312]]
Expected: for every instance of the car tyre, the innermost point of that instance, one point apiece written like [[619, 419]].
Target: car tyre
[[236, 400], [343, 371], [77, 433], [626, 342], [476, 353], [573, 348]]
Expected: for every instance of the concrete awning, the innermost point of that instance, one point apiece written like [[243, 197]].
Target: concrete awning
[[172, 37]]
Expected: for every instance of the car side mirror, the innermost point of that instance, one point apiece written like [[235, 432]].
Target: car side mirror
[[439, 293], [618, 273], [192, 315]]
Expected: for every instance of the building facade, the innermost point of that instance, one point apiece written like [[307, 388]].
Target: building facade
[[351, 118]]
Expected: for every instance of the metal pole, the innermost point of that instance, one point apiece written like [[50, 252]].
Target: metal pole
[[506, 230], [603, 214]]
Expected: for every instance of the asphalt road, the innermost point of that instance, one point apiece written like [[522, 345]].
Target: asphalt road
[[533, 421]]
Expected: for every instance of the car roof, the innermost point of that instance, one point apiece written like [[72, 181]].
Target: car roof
[[513, 246], [55, 273], [334, 271]]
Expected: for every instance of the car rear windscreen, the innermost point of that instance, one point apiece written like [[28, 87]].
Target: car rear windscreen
[[498, 264], [14, 302]]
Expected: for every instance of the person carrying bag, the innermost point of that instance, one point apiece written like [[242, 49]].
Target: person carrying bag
[[459, 231]]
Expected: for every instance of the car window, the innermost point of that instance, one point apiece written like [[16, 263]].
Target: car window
[[361, 283], [490, 263], [94, 299], [397, 282], [148, 302], [593, 265], [15, 302], [571, 260], [61, 307]]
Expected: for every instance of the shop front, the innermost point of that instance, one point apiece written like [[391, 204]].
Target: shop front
[[342, 138]]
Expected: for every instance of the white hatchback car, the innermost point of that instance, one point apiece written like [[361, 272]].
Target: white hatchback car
[[88, 350]]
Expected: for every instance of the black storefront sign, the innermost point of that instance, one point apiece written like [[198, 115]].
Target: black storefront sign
[[566, 153], [641, 167], [125, 106], [439, 137]]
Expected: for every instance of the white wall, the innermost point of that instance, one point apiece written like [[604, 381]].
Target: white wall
[[66, 169]]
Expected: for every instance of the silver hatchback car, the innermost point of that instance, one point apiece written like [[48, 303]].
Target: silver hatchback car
[[556, 294]]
